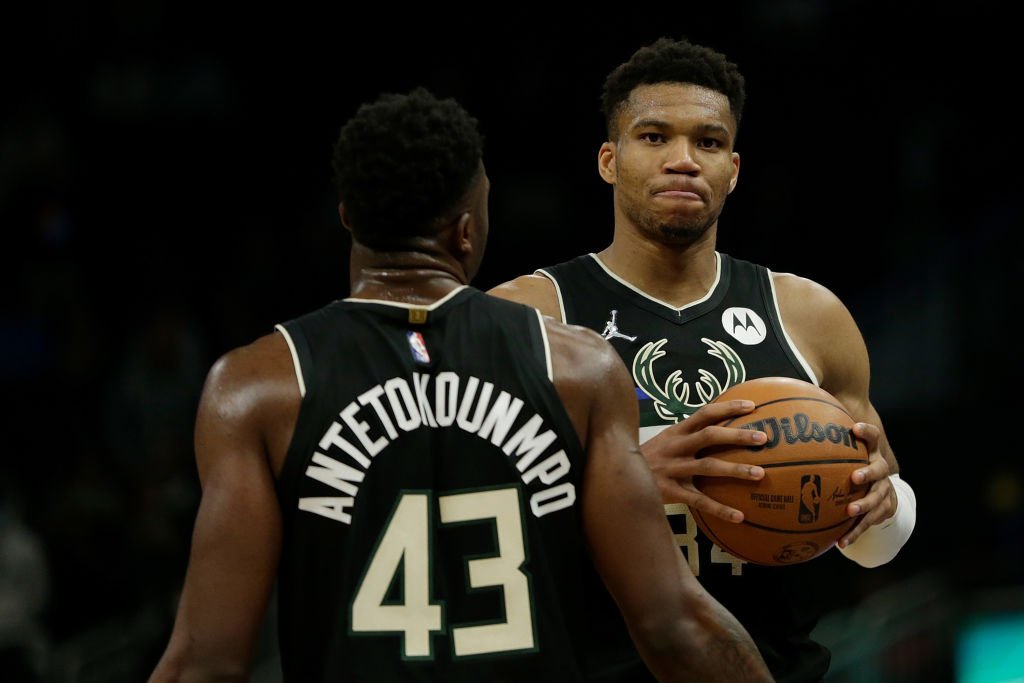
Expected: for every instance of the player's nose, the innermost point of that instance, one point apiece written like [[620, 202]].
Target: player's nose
[[679, 157]]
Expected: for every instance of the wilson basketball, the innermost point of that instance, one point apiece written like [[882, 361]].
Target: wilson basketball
[[798, 510]]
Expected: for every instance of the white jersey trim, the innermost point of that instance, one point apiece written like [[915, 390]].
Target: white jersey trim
[[295, 359], [547, 345], [647, 433], [711, 290], [796, 352], [558, 291], [402, 304]]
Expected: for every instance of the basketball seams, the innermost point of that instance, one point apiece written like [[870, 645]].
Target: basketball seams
[[758, 406], [803, 532], [815, 463], [806, 398]]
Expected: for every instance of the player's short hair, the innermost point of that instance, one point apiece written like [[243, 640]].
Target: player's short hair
[[672, 61], [401, 162]]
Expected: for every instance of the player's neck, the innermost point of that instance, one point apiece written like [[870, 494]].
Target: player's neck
[[676, 276], [403, 276]]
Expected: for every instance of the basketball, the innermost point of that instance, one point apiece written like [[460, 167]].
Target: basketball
[[798, 510]]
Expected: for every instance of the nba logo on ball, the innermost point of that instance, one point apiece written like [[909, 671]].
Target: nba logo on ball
[[810, 498]]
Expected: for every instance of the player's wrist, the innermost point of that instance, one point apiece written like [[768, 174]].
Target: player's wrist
[[880, 543]]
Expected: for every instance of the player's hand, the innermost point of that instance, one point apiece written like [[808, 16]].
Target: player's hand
[[672, 456], [879, 503]]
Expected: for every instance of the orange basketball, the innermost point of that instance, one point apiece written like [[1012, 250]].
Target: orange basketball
[[798, 510]]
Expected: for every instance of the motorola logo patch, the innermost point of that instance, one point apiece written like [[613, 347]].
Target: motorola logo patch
[[744, 325]]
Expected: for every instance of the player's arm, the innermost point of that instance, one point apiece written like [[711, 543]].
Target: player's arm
[[681, 632], [828, 337], [237, 534], [532, 290]]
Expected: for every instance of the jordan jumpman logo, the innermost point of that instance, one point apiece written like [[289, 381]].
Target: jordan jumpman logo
[[611, 330]]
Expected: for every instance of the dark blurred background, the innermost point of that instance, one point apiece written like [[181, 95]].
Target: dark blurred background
[[165, 195]]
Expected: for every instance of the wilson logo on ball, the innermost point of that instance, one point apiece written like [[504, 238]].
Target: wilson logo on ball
[[800, 428]]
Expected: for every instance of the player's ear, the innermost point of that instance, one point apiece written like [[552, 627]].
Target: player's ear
[[464, 233], [344, 219], [606, 162], [735, 172]]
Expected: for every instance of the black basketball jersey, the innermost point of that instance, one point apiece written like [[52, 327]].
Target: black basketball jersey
[[681, 358], [430, 500]]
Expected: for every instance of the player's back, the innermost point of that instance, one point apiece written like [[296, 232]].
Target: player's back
[[430, 500]]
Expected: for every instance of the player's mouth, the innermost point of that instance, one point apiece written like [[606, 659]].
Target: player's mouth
[[678, 194], [679, 191]]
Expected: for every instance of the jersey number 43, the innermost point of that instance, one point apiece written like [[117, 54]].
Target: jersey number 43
[[405, 546]]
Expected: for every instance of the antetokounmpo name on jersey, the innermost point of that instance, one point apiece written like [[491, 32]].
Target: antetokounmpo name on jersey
[[346, 450]]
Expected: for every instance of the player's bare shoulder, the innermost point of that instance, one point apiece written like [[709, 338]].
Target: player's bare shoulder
[[805, 303], [245, 373], [580, 355], [593, 382], [819, 324], [254, 387], [533, 290]]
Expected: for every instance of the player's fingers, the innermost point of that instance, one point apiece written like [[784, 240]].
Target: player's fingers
[[729, 436], [713, 413], [876, 470], [712, 507], [854, 533], [672, 491], [712, 467], [876, 496], [869, 432], [875, 515]]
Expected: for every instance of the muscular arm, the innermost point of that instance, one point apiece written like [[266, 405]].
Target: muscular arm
[[237, 534], [681, 632], [828, 337], [826, 334]]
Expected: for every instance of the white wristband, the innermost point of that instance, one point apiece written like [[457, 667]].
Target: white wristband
[[880, 543]]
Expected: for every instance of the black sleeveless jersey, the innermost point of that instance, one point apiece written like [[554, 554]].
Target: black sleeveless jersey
[[680, 359], [431, 501]]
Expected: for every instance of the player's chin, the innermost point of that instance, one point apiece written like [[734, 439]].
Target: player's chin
[[680, 233]]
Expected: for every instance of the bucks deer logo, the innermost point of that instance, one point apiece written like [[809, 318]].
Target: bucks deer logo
[[672, 399]]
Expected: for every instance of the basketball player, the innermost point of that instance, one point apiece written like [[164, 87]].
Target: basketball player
[[689, 322], [430, 474]]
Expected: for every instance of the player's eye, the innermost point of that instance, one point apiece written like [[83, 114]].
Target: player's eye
[[652, 137], [709, 143]]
